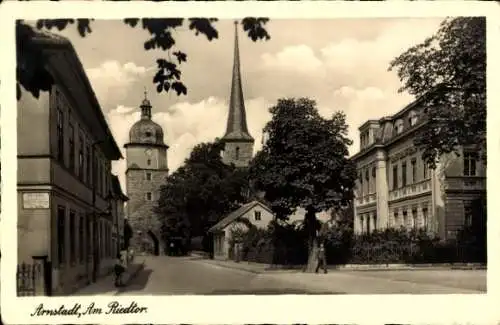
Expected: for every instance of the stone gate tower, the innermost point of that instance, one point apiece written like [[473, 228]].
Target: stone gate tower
[[238, 141], [146, 171]]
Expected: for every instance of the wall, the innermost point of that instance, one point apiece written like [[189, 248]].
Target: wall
[[137, 155], [33, 115], [245, 153]]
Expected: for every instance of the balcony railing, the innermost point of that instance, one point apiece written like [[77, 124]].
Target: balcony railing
[[466, 183], [410, 190], [367, 199]]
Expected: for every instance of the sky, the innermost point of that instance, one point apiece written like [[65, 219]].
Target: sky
[[340, 63]]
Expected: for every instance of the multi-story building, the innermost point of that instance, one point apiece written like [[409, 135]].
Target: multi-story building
[[65, 149], [395, 188], [118, 213]]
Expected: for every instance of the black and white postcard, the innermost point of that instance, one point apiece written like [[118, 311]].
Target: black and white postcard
[[248, 162]]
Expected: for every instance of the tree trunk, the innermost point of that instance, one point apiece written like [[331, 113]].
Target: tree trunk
[[312, 240]]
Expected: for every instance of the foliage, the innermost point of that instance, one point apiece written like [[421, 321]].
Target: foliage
[[199, 193], [33, 76], [450, 69], [304, 163]]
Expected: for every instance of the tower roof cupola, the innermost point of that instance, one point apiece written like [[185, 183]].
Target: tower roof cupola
[[146, 131]]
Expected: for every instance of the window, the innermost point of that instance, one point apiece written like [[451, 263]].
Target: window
[[237, 153], [403, 176], [361, 177], [413, 118], [149, 196], [61, 224], [367, 178], [414, 218], [72, 239], [368, 230], [72, 148], [148, 134], [87, 235], [257, 215], [81, 239], [88, 165], [80, 158], [413, 170], [374, 173], [425, 217], [394, 177], [149, 162], [60, 135], [362, 224], [148, 176], [467, 215], [470, 159], [375, 221], [399, 126], [405, 218], [426, 170], [396, 219]]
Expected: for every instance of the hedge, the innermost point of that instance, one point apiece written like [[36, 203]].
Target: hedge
[[286, 245]]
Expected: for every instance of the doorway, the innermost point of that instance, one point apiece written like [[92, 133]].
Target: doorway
[[156, 243]]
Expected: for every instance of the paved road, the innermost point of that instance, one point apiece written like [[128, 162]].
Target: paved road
[[187, 275]]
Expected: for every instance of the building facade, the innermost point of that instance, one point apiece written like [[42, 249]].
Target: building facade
[[118, 213], [65, 149], [238, 149], [395, 187], [146, 172]]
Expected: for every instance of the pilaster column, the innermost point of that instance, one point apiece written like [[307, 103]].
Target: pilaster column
[[382, 189]]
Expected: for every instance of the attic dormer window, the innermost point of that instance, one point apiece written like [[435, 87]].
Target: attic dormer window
[[148, 134], [413, 118], [399, 126]]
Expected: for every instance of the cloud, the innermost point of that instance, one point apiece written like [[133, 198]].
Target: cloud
[[112, 80], [300, 58]]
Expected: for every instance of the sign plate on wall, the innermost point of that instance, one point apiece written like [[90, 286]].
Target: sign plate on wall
[[36, 201]]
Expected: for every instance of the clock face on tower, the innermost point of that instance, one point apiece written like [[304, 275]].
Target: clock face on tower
[[148, 152]]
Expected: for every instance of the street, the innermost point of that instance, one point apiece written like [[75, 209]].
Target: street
[[190, 275]]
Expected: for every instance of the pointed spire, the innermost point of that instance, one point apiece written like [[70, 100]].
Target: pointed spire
[[146, 106], [236, 121]]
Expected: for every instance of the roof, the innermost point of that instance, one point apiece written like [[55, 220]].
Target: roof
[[48, 40], [117, 189], [237, 129], [233, 216]]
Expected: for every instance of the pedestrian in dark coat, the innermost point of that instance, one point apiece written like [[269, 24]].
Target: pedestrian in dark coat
[[321, 259]]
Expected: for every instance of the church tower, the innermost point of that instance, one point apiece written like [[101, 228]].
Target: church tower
[[146, 171], [238, 141]]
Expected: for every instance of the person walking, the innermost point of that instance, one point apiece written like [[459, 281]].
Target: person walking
[[119, 270], [321, 259]]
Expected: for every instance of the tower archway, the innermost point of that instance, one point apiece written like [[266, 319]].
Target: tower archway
[[156, 243]]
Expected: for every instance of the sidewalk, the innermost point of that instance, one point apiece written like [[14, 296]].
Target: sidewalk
[[106, 285], [261, 267]]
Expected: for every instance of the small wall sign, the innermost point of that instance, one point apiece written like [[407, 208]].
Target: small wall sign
[[36, 200]]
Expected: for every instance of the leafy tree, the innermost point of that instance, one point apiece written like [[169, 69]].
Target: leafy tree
[[449, 70], [200, 192], [33, 76], [304, 164]]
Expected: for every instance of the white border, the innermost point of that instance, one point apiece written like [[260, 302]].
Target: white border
[[357, 309]]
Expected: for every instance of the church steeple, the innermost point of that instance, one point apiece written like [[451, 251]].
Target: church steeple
[[146, 107], [236, 121]]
